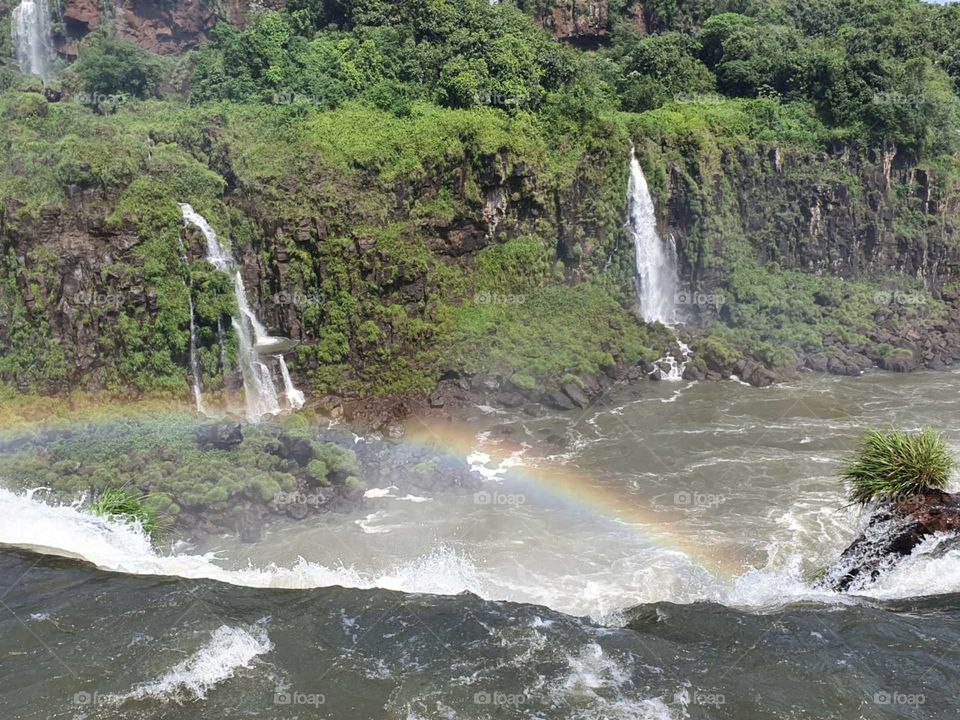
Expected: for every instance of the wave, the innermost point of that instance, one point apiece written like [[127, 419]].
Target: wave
[[228, 650], [70, 531]]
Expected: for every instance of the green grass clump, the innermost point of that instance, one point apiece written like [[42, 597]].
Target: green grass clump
[[895, 464], [120, 504]]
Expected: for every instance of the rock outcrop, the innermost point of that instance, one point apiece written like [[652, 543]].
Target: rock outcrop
[[893, 531], [170, 27]]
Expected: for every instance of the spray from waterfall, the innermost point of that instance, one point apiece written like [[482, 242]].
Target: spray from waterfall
[[33, 38], [260, 391], [656, 266]]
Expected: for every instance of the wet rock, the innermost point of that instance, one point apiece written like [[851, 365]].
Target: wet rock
[[894, 530], [579, 398], [222, 436], [557, 400], [899, 362]]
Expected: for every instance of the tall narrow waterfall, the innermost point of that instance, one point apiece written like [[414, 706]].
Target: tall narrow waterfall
[[195, 361], [260, 391], [656, 267], [32, 37], [656, 259]]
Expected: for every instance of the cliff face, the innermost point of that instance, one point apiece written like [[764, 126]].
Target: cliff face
[[176, 26], [853, 214], [586, 23], [162, 26]]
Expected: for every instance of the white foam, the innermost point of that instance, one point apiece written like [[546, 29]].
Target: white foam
[[116, 546], [228, 650]]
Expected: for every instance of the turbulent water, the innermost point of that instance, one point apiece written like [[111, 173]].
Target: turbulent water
[[650, 559]]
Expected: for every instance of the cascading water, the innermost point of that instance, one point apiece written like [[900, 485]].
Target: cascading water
[[656, 266], [195, 362], [295, 398], [656, 260], [260, 392], [32, 37]]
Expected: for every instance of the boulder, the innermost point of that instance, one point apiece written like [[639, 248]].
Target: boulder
[[222, 436], [893, 531], [579, 398]]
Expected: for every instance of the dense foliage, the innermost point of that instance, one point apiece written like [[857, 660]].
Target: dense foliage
[[895, 464], [363, 140]]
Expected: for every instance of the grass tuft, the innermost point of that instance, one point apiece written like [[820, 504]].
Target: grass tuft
[[120, 504], [896, 464]]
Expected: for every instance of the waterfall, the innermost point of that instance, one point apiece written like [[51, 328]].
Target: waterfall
[[32, 37], [656, 266], [260, 392], [656, 259], [195, 361], [295, 398]]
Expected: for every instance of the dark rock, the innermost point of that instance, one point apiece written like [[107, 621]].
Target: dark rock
[[557, 400], [510, 400], [899, 362], [894, 530], [298, 449], [577, 395], [222, 436]]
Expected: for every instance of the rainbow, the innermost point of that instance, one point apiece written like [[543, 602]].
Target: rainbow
[[578, 491]]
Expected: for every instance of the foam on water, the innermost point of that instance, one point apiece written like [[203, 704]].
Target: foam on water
[[228, 650], [110, 545]]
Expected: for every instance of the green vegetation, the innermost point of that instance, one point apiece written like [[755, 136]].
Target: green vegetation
[[119, 504], [440, 188], [149, 465], [895, 464]]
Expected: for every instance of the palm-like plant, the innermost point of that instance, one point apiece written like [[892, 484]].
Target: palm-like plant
[[895, 464]]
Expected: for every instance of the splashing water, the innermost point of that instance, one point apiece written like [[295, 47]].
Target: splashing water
[[295, 398], [260, 391], [32, 38]]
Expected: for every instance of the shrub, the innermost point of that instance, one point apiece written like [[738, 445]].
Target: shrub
[[120, 504], [896, 464]]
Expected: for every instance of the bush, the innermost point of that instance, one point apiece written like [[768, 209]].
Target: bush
[[112, 67], [119, 504], [896, 464]]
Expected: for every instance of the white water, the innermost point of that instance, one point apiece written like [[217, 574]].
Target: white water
[[656, 260], [656, 266], [295, 398], [228, 650], [195, 362], [32, 38], [115, 546], [260, 390]]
